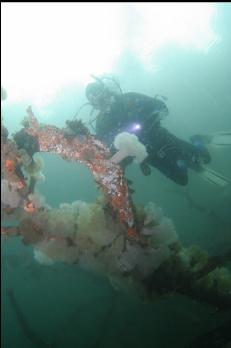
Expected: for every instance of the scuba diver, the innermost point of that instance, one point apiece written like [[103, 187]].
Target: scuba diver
[[141, 115]]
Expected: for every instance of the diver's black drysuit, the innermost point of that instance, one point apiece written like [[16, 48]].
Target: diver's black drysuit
[[140, 114]]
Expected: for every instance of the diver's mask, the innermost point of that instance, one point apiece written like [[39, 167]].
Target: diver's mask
[[99, 96]]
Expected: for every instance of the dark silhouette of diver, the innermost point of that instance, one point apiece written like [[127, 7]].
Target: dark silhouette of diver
[[141, 115]]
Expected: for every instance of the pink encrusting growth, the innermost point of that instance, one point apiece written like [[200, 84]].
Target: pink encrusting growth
[[95, 155]]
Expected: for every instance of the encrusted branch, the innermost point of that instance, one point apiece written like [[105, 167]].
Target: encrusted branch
[[137, 246]]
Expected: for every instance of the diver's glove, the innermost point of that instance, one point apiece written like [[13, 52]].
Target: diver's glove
[[182, 164], [202, 155], [145, 168]]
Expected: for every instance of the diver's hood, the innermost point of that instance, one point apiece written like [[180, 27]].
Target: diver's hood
[[100, 92], [94, 89], [95, 93]]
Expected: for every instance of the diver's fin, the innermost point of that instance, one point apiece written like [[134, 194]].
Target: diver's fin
[[217, 139], [213, 177]]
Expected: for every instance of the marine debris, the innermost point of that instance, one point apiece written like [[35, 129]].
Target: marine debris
[[136, 247]]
